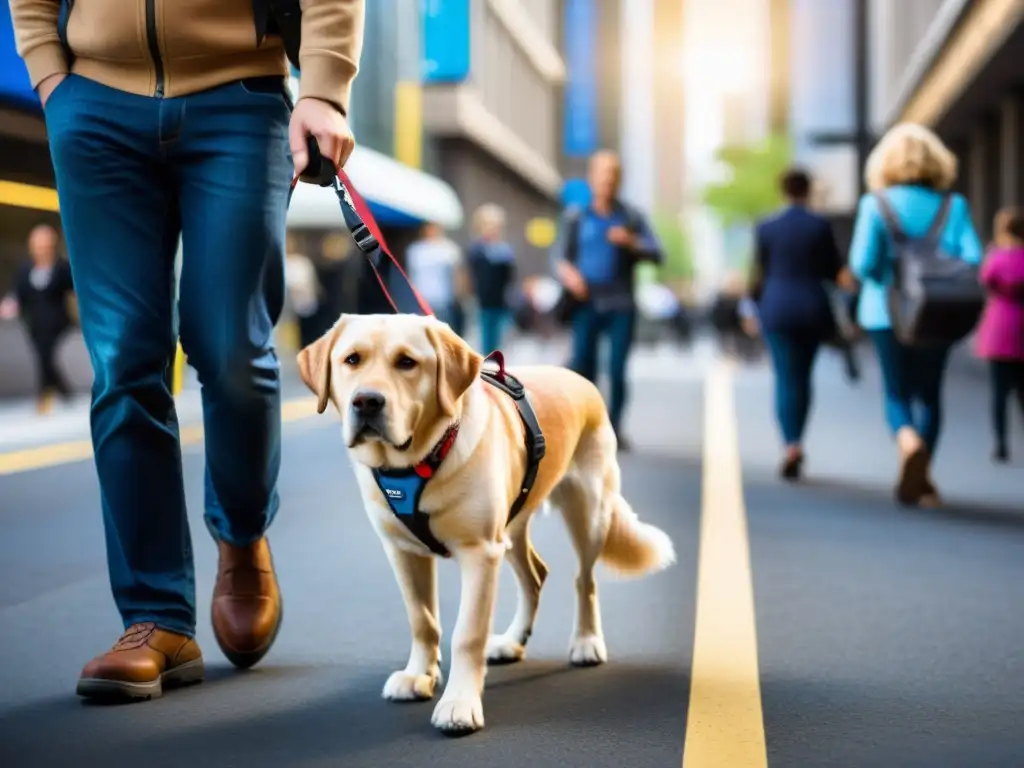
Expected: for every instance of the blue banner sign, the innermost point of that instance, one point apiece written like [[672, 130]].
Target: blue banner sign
[[446, 48], [15, 87], [581, 133]]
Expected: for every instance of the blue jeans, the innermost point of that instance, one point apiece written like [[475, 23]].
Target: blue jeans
[[793, 362], [912, 376], [133, 173], [588, 328], [492, 328]]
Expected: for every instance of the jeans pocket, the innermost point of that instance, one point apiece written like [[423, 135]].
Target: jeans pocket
[[268, 87], [57, 93]]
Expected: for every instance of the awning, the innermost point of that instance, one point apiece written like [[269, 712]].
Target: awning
[[398, 196]]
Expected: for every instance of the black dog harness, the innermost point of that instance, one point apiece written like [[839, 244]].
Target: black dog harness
[[403, 488]]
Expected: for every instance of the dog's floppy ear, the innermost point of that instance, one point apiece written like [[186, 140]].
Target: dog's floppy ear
[[315, 364], [457, 366]]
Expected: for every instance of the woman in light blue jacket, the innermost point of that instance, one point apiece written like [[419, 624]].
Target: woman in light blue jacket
[[914, 171]]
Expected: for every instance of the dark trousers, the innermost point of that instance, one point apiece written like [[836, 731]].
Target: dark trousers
[[133, 173], [793, 363], [49, 376], [912, 378], [1007, 378], [589, 326]]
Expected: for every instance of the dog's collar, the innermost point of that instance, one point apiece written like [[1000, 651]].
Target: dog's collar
[[432, 462]]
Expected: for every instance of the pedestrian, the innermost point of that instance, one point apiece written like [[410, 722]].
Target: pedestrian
[[434, 264], [795, 258], [911, 172], [168, 120], [1000, 337], [596, 255], [303, 293], [492, 265], [44, 299]]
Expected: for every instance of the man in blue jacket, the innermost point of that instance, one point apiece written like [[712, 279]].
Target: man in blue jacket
[[596, 256]]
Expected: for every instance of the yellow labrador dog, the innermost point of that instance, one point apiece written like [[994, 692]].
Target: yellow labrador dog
[[405, 385]]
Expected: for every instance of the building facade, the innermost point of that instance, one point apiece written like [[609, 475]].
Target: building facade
[[826, 117], [957, 66], [491, 113]]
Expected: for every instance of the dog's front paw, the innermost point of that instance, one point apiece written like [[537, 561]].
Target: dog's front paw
[[588, 651], [403, 686], [502, 649], [458, 715]]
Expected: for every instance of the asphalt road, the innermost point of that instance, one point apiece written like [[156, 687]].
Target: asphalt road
[[885, 637]]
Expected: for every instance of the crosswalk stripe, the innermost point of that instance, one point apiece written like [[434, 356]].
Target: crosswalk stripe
[[725, 722]]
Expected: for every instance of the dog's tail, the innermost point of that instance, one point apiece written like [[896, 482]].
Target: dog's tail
[[635, 548]]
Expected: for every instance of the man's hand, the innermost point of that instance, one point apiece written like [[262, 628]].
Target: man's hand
[[573, 281], [48, 86], [621, 237], [323, 121]]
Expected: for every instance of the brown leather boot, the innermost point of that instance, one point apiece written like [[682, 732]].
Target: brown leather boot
[[246, 603], [143, 662]]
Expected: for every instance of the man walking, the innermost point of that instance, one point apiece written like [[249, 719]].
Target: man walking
[[596, 256], [171, 118], [43, 297]]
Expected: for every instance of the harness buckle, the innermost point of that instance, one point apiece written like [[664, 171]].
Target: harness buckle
[[365, 241]]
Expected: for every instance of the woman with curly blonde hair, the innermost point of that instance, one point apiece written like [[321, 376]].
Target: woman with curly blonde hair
[[912, 172]]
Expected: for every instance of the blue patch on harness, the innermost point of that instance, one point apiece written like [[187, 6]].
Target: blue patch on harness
[[402, 491]]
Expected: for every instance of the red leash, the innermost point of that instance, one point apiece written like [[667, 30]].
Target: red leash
[[363, 227]]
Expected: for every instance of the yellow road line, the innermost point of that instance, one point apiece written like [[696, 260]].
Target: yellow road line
[[44, 456], [725, 723]]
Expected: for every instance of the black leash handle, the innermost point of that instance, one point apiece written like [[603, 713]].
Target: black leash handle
[[319, 170]]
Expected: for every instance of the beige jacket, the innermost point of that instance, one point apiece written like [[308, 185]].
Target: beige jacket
[[174, 47]]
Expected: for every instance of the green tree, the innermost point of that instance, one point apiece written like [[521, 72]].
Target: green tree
[[750, 187], [678, 266]]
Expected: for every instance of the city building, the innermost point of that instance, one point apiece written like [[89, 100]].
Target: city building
[[825, 117], [956, 66], [492, 81]]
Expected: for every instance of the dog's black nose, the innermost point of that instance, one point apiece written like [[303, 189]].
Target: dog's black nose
[[368, 403]]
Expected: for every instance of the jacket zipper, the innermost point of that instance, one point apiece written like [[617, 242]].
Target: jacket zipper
[[154, 47]]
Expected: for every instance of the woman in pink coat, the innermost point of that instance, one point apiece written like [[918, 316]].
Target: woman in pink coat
[[1000, 337]]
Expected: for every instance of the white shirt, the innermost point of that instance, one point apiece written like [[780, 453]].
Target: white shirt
[[302, 284], [431, 265]]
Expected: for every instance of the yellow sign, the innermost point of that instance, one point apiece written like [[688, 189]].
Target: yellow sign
[[409, 124], [541, 232]]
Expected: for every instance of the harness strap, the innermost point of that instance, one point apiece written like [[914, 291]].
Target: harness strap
[[402, 488], [536, 447]]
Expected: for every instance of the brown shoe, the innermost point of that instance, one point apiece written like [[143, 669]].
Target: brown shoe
[[246, 603], [914, 463], [143, 662]]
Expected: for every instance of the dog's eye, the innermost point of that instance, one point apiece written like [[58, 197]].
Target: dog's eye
[[405, 363], [352, 359]]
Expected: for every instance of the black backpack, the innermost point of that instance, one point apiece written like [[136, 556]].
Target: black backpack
[[282, 18], [935, 298]]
